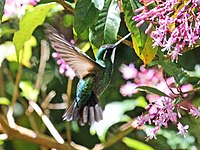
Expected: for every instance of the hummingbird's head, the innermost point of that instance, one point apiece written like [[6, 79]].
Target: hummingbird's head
[[108, 51]]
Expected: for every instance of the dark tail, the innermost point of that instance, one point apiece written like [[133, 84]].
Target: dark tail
[[89, 113]]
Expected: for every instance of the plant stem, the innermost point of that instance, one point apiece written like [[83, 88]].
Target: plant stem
[[21, 133], [66, 6], [14, 97], [16, 87], [69, 90], [2, 89]]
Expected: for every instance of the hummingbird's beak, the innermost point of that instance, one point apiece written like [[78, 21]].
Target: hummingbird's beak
[[118, 42]]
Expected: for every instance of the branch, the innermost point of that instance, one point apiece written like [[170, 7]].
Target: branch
[[47, 122], [69, 91], [66, 6], [15, 95], [28, 135], [45, 52]]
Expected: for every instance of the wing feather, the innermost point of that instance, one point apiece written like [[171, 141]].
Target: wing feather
[[73, 56]]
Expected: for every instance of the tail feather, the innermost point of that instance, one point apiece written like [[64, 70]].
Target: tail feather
[[72, 113], [85, 114], [98, 113], [89, 113]]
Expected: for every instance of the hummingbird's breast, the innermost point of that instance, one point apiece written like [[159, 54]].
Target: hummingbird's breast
[[102, 80]]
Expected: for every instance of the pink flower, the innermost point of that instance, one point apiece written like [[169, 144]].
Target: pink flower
[[128, 89], [151, 133], [175, 27], [182, 129], [195, 112], [161, 110], [64, 68], [128, 71], [17, 7], [160, 113]]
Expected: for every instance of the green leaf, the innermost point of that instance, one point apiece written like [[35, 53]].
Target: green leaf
[[142, 43], [28, 23], [107, 25], [152, 90], [135, 144], [129, 7], [179, 74], [2, 3], [85, 14], [147, 53], [25, 54], [4, 101], [68, 20], [179, 141], [28, 91], [84, 46]]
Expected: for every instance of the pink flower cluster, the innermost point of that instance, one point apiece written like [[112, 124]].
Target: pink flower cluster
[[17, 7], [177, 23], [64, 68], [161, 110]]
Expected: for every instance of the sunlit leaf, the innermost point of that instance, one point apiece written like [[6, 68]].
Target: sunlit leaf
[[6, 50], [1, 142], [152, 90], [2, 3], [28, 91], [25, 54], [85, 14], [117, 115], [129, 7], [135, 144], [95, 50], [148, 52], [68, 20], [84, 46], [28, 23], [107, 25], [4, 101], [142, 43]]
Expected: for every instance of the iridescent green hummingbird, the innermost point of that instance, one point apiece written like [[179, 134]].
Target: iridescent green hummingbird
[[94, 76]]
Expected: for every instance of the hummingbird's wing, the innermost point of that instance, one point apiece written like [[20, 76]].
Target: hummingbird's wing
[[73, 56]]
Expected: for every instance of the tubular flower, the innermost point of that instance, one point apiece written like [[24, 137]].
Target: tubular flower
[[161, 110], [176, 22], [17, 7], [64, 68]]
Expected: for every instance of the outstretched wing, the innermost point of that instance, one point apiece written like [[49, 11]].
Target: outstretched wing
[[73, 56]]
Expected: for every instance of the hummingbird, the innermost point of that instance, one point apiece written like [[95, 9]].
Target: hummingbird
[[94, 76]]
